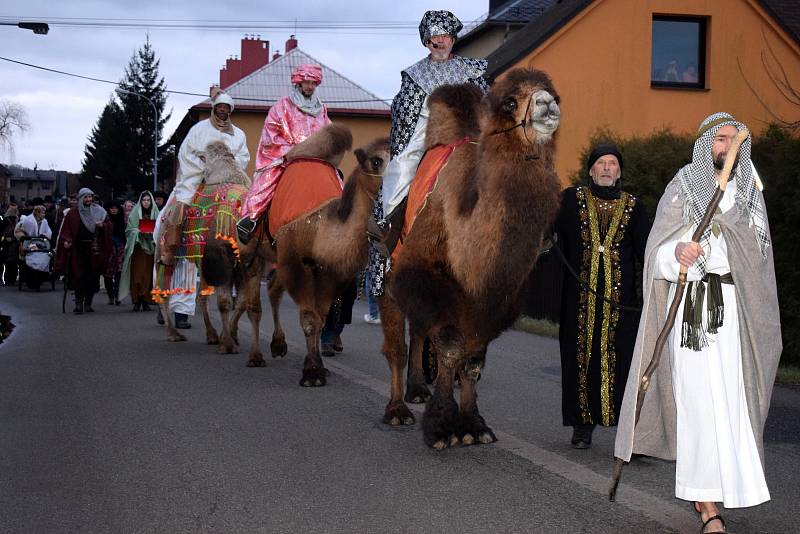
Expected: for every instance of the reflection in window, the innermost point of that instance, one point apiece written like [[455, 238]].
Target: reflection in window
[[678, 52]]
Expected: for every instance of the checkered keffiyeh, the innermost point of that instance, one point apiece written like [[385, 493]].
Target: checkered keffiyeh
[[699, 184]]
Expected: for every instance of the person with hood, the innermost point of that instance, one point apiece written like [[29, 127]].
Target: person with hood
[[289, 122], [602, 232], [137, 270], [218, 127], [708, 400], [83, 249], [113, 274]]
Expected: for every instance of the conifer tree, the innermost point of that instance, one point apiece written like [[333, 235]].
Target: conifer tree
[[104, 156]]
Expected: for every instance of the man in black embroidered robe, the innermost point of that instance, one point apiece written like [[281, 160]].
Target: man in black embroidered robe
[[602, 232]]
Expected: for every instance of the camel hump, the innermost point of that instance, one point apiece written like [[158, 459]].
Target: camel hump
[[328, 143], [221, 166], [454, 111]]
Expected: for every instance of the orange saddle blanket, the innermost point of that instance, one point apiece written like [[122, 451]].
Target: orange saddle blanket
[[305, 185], [424, 181]]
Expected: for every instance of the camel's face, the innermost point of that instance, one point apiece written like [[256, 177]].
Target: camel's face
[[374, 158], [544, 115]]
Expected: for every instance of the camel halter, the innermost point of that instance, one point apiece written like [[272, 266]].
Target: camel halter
[[521, 124]]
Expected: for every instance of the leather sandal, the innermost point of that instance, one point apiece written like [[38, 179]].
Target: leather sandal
[[709, 520]]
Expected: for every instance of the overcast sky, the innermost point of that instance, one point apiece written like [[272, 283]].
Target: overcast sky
[[62, 110]]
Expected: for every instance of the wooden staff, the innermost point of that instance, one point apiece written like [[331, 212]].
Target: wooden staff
[[722, 183]]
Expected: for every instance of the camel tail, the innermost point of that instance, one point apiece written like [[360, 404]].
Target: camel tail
[[218, 262]]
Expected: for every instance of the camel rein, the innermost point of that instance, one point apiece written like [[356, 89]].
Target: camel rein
[[644, 383]]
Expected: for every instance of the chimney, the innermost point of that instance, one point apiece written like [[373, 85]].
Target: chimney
[[291, 44], [255, 54], [276, 55]]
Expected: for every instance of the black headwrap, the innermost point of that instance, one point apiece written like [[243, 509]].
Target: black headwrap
[[611, 191], [118, 220]]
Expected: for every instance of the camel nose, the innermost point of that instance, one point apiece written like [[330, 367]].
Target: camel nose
[[545, 113]]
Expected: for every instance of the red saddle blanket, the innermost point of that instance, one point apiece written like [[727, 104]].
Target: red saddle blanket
[[423, 184], [305, 185]]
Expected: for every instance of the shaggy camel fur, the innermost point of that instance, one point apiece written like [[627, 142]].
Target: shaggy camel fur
[[464, 263], [319, 254], [221, 169]]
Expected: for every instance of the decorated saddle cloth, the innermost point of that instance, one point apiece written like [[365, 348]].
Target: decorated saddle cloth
[[306, 185], [212, 214], [423, 184]]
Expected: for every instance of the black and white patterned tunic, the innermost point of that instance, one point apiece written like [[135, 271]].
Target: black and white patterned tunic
[[417, 83]]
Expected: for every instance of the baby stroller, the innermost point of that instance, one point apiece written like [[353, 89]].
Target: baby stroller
[[36, 263]]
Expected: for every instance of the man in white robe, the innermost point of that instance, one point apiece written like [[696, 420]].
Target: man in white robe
[[218, 127], [708, 401]]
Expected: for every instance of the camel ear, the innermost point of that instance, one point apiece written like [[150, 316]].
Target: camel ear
[[361, 156]]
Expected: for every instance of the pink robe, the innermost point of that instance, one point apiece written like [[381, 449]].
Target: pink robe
[[284, 127]]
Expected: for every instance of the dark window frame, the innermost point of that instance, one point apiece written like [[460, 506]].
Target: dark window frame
[[702, 45]]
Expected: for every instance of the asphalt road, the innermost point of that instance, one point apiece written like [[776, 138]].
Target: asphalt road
[[107, 427]]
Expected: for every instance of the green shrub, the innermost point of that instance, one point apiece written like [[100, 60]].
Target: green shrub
[[651, 161]]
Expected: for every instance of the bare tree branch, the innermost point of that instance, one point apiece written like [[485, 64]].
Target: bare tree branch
[[13, 122]]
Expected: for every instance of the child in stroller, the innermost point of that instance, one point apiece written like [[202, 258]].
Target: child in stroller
[[35, 253]]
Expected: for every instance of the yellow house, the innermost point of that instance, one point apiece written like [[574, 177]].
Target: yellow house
[[349, 104], [636, 66]]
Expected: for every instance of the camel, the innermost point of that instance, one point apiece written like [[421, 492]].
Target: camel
[[319, 253], [223, 186], [464, 262]]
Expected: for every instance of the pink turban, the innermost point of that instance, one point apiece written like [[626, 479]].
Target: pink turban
[[307, 72]]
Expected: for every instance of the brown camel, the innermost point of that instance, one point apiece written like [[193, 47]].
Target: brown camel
[[464, 262], [322, 251], [217, 205]]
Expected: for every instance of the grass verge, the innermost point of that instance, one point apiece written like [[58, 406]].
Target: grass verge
[[540, 327], [788, 376]]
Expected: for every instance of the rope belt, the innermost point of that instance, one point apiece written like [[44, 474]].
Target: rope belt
[[693, 335]]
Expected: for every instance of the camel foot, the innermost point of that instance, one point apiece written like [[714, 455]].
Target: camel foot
[[212, 338], [278, 347], [417, 393], [256, 360], [472, 429], [315, 377], [439, 422], [397, 414], [228, 349]]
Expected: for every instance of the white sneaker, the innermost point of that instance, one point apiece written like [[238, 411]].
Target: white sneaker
[[371, 320]]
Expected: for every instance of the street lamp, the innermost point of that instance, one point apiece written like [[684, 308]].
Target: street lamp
[[121, 91], [39, 28]]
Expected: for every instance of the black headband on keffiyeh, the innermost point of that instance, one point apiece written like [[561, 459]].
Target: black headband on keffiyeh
[[698, 183]]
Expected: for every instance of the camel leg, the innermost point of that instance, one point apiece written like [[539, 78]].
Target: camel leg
[[225, 306], [238, 311], [277, 346], [169, 324], [314, 373], [394, 349], [250, 299], [440, 422], [472, 428], [212, 338], [417, 391]]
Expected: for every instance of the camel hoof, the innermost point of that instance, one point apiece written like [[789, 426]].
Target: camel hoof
[[212, 339], [313, 378], [256, 362], [177, 336], [278, 348], [417, 393], [473, 429], [398, 414], [228, 349]]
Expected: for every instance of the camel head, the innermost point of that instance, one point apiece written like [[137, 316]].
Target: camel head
[[523, 106], [373, 158], [221, 166]]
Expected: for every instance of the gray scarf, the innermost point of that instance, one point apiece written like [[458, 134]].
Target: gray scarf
[[91, 214], [698, 184], [309, 105]]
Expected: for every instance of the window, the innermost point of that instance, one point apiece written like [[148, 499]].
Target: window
[[679, 52]]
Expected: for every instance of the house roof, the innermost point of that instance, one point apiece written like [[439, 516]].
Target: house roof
[[786, 14], [533, 34], [261, 89], [516, 13]]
